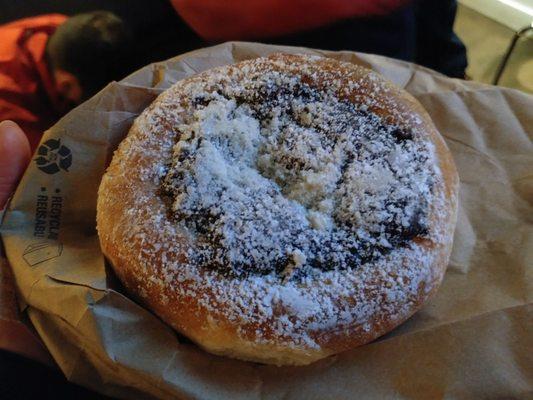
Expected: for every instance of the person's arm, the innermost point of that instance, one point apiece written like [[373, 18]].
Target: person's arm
[[14, 335], [249, 19]]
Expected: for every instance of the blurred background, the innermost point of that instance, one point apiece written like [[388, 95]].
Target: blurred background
[[486, 27]]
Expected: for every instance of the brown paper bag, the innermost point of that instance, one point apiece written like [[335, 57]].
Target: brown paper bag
[[473, 340]]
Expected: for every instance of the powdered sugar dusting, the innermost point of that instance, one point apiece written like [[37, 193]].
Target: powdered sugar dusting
[[301, 207], [274, 168]]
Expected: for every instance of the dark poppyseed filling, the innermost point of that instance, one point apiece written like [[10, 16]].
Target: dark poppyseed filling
[[276, 177]]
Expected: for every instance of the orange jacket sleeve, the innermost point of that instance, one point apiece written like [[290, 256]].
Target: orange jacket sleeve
[[27, 93], [249, 19]]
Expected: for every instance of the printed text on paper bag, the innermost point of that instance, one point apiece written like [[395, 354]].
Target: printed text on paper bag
[[48, 214]]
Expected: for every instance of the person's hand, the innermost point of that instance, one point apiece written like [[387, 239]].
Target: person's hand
[[14, 157], [14, 335]]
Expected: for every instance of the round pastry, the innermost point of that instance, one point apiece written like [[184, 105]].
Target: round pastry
[[281, 209]]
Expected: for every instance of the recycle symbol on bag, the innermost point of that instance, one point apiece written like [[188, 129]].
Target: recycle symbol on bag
[[53, 157]]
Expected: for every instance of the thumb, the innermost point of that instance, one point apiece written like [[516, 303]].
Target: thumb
[[14, 157]]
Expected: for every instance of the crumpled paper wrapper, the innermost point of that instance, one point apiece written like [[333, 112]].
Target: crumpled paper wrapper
[[473, 340]]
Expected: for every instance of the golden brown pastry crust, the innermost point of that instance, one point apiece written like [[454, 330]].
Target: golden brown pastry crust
[[124, 239]]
